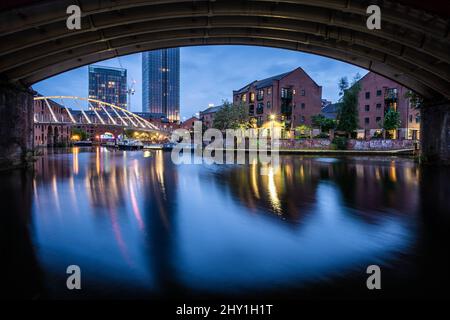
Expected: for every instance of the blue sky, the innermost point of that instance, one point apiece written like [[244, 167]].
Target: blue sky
[[209, 74]]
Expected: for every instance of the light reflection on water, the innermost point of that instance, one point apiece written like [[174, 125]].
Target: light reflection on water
[[135, 220]]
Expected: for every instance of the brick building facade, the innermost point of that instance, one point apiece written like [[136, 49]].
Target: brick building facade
[[47, 133], [292, 97], [377, 95], [207, 116]]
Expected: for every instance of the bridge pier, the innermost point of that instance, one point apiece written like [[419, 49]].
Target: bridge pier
[[435, 132], [16, 125]]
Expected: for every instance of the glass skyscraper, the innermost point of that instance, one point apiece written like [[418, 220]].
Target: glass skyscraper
[[161, 82], [108, 84]]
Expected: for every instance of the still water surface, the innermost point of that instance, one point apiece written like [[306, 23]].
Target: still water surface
[[140, 226]]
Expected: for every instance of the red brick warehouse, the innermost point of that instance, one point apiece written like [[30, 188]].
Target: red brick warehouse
[[292, 97]]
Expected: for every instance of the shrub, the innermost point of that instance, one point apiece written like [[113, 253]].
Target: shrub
[[340, 142]]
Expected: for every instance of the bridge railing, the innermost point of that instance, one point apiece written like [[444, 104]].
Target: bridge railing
[[96, 113]]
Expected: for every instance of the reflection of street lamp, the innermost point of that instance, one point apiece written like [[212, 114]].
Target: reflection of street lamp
[[272, 123]]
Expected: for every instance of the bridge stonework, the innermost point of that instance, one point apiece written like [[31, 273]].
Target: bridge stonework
[[16, 125], [435, 132]]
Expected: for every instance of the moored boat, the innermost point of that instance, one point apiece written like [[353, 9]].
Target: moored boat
[[129, 144]]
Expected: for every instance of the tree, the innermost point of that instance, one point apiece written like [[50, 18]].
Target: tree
[[325, 124], [79, 134], [348, 112], [303, 131], [415, 100], [232, 116], [343, 85], [391, 120]]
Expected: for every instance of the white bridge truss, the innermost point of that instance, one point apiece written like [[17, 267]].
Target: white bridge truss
[[106, 114]]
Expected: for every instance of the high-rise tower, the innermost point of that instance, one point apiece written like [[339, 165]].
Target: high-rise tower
[[161, 82], [108, 84]]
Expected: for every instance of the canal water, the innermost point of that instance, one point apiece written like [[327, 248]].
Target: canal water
[[139, 226]]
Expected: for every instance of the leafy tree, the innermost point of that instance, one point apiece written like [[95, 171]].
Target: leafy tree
[[303, 131], [232, 116], [325, 124], [82, 135], [415, 99], [348, 112], [343, 85], [391, 121]]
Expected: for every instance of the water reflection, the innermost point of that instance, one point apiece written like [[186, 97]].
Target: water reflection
[[139, 225]]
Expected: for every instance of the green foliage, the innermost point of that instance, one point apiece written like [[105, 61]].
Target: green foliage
[[377, 135], [415, 99], [391, 120], [325, 124], [302, 131], [343, 85], [348, 112], [232, 116], [340, 142], [81, 133]]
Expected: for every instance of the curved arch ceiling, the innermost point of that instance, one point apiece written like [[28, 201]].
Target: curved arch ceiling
[[412, 48]]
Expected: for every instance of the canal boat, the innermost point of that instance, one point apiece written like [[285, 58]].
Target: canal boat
[[83, 143], [129, 144]]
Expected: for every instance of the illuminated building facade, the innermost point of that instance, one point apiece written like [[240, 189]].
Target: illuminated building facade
[[161, 82], [109, 85]]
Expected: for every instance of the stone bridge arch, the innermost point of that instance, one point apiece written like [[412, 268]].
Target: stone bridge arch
[[412, 47]]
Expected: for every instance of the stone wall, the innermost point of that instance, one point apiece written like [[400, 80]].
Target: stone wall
[[379, 144], [16, 125], [353, 144], [313, 144], [436, 133]]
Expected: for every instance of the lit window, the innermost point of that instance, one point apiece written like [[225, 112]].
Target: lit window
[[252, 96], [260, 94]]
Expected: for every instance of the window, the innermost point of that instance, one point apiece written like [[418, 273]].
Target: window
[[303, 119], [303, 105], [378, 93], [251, 109], [252, 97], [417, 119], [378, 119], [378, 105], [367, 107], [366, 120], [260, 94], [260, 108], [410, 118], [268, 105], [303, 92], [269, 91], [284, 93], [367, 95], [244, 98]]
